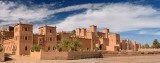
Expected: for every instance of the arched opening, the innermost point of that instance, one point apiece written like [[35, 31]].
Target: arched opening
[[25, 29], [48, 48], [87, 49], [100, 47], [50, 31], [53, 47], [26, 48]]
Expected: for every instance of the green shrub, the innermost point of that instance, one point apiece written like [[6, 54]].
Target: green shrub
[[86, 49], [58, 47], [96, 49], [1, 49], [46, 51], [35, 48]]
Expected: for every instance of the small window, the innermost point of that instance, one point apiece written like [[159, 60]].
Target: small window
[[50, 39], [53, 48], [25, 37], [48, 48], [26, 48], [50, 31], [25, 29], [39, 39]]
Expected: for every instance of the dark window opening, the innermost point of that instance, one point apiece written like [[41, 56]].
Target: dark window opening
[[87, 49], [39, 39], [100, 47], [48, 48], [26, 48], [50, 31], [26, 38], [58, 38], [50, 39], [25, 29], [53, 48]]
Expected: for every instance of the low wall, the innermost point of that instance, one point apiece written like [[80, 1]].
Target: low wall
[[64, 55], [54, 55], [149, 50], [2, 58], [36, 55], [81, 55]]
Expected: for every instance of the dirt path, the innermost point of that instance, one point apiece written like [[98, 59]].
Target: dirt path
[[122, 59]]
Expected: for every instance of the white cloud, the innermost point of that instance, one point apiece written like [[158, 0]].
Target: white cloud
[[143, 32], [78, 7], [12, 12], [119, 17], [157, 33]]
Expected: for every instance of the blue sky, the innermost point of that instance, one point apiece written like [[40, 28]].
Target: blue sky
[[134, 19]]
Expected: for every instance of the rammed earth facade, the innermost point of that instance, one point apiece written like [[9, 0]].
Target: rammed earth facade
[[19, 39]]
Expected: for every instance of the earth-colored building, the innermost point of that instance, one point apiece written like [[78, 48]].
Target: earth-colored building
[[20, 41]]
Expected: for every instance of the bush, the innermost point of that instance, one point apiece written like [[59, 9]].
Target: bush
[[58, 47], [46, 51], [1, 49], [35, 48], [96, 49]]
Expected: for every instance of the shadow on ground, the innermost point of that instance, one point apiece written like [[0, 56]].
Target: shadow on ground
[[8, 57]]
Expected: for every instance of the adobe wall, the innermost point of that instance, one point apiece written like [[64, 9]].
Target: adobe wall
[[106, 31], [55, 55], [81, 55], [134, 46], [93, 29], [114, 41], [23, 34], [103, 43], [83, 32], [2, 58], [36, 39], [85, 43], [63, 35], [123, 45], [100, 34], [36, 55], [8, 34], [8, 28], [138, 45], [50, 37], [149, 50], [9, 46]]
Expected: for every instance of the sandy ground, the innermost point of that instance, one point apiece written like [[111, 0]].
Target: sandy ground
[[122, 59]]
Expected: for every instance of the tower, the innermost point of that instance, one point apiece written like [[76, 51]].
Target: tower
[[106, 31], [23, 35], [78, 31], [83, 32], [93, 29], [50, 38]]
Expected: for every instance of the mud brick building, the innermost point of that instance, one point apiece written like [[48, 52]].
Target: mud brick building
[[20, 38]]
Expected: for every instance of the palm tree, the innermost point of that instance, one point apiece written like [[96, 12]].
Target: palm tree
[[74, 45], [35, 48], [146, 45], [156, 43], [73, 32], [58, 47], [65, 44]]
